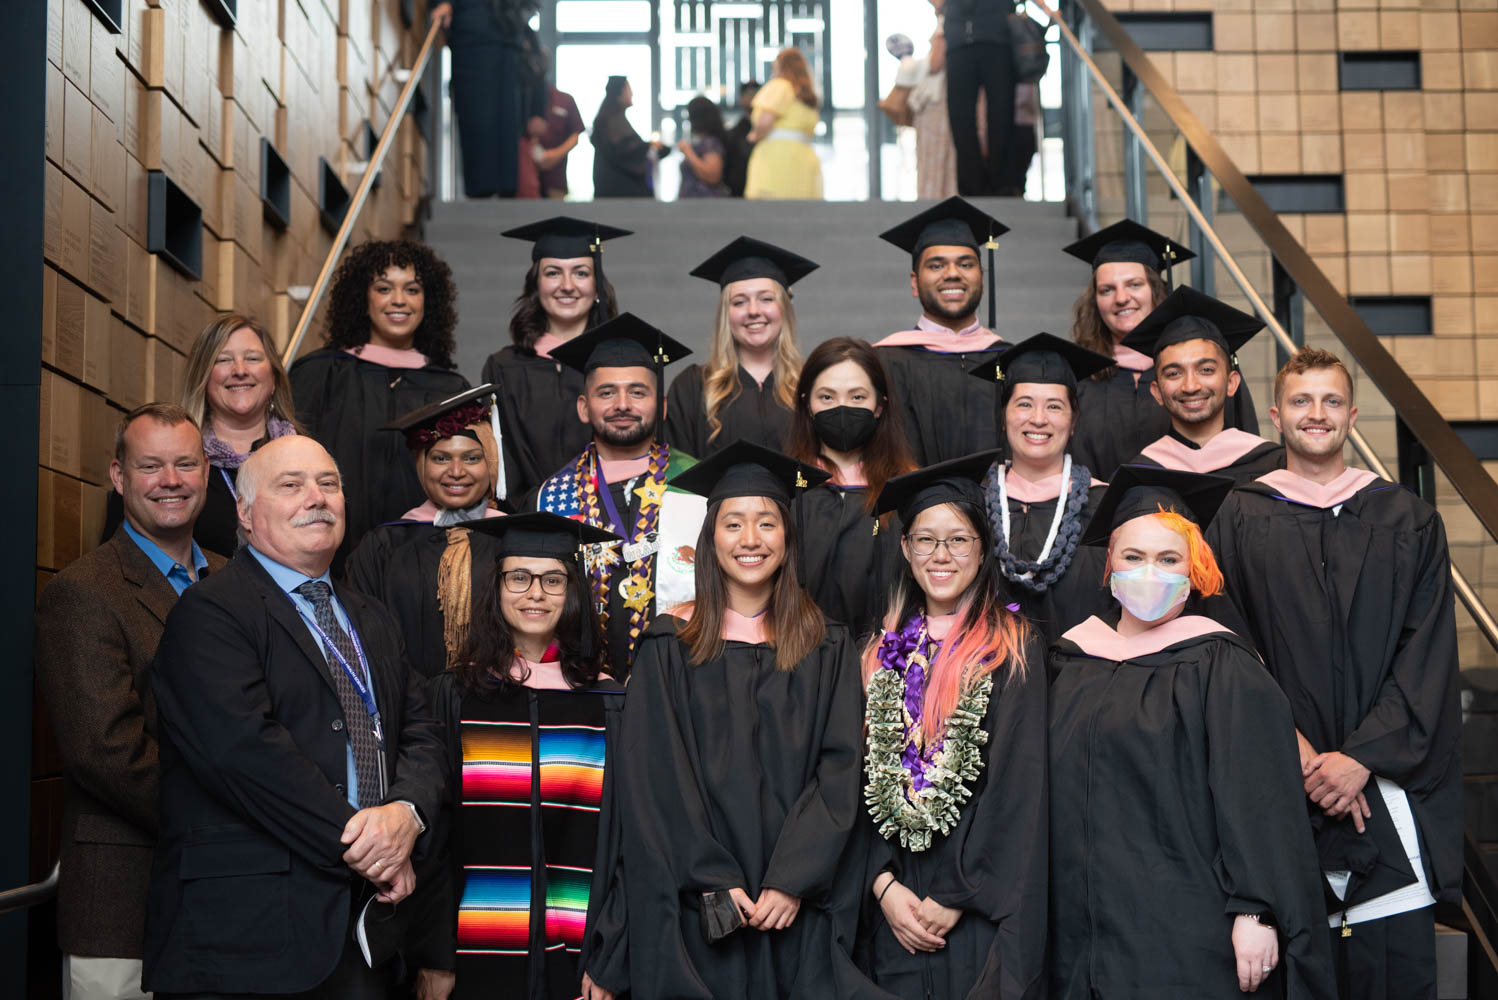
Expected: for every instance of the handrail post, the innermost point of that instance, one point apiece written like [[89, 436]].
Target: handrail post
[[1136, 200], [1417, 470], [1199, 183], [1289, 309], [361, 195]]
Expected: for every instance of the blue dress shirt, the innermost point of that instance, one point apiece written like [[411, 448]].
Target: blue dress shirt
[[288, 580], [176, 574]]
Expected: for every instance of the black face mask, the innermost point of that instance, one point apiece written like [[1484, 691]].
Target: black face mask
[[844, 428]]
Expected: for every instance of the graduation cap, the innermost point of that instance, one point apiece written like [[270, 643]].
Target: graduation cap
[[1138, 490], [1187, 314], [945, 482], [955, 222], [565, 237], [426, 425], [1129, 242], [745, 469], [747, 258], [541, 534], [1043, 358], [626, 341], [459, 415]]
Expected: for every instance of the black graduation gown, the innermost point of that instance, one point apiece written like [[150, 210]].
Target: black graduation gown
[[992, 866], [1265, 458], [1082, 590], [734, 774], [754, 415], [616, 631], [846, 567], [1353, 614], [217, 527], [947, 412], [1177, 806], [397, 565], [343, 401], [621, 162], [1117, 418], [538, 416], [431, 913]]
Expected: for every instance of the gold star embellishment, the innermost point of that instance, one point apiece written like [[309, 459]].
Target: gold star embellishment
[[637, 595], [651, 492]]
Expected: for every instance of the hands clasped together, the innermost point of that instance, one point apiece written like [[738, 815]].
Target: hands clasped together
[[379, 843]]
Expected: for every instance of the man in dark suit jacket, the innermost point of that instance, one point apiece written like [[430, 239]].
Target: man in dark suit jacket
[[97, 627], [299, 758]]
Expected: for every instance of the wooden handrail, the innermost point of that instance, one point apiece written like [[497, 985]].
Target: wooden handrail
[[361, 195]]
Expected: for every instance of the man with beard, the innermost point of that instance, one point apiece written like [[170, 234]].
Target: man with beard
[[947, 414], [618, 482], [1344, 582], [1193, 339]]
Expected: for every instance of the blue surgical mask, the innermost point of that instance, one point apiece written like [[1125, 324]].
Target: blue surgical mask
[[1148, 593]]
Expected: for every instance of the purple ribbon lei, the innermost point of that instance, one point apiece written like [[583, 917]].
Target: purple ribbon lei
[[895, 653]]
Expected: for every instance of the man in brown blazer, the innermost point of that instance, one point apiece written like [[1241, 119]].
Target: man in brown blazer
[[97, 627]]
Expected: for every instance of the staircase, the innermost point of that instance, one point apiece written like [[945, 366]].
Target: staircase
[[861, 290]]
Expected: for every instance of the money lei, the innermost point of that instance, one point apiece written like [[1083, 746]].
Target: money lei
[[914, 790]]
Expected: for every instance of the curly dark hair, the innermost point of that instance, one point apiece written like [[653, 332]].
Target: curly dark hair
[[528, 320], [491, 644], [348, 302]]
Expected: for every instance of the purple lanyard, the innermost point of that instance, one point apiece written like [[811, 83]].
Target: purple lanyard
[[601, 485]]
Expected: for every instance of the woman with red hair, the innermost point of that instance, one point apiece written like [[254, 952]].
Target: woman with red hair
[[783, 163], [956, 762], [1182, 863]]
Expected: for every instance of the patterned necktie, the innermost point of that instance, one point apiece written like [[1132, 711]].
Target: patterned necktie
[[357, 722]]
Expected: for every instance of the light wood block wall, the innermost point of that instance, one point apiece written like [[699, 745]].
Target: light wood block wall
[[175, 91]]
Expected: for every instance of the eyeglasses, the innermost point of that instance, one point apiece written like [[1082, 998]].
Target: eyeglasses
[[518, 581], [958, 546]]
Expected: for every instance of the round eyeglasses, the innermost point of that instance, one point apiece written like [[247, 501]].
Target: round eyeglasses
[[518, 581], [958, 546]]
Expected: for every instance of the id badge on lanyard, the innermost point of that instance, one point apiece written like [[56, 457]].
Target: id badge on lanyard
[[361, 687]]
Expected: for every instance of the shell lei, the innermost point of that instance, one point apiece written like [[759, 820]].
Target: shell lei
[[894, 801]]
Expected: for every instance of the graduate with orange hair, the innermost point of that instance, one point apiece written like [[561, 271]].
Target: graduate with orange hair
[[1179, 846], [955, 876]]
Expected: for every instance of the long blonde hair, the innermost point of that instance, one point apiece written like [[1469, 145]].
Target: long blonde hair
[[720, 376], [205, 351]]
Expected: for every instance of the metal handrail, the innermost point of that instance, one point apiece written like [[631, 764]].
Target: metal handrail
[[361, 195], [34, 894], [1448, 450]]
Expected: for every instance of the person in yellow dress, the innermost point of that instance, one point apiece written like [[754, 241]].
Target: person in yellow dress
[[784, 164]]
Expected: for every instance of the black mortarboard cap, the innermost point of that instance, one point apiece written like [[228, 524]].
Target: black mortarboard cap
[[1128, 241], [429, 414], [565, 237], [1137, 490], [1043, 358], [747, 258], [954, 222], [945, 482], [426, 425], [541, 534], [745, 469], [1186, 314], [626, 341]]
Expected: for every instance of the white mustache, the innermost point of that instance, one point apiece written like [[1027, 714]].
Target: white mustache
[[314, 517]]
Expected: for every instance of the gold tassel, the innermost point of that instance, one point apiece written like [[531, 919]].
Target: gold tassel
[[455, 591], [485, 433]]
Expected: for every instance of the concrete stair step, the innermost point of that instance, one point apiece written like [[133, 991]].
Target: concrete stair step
[[861, 290]]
